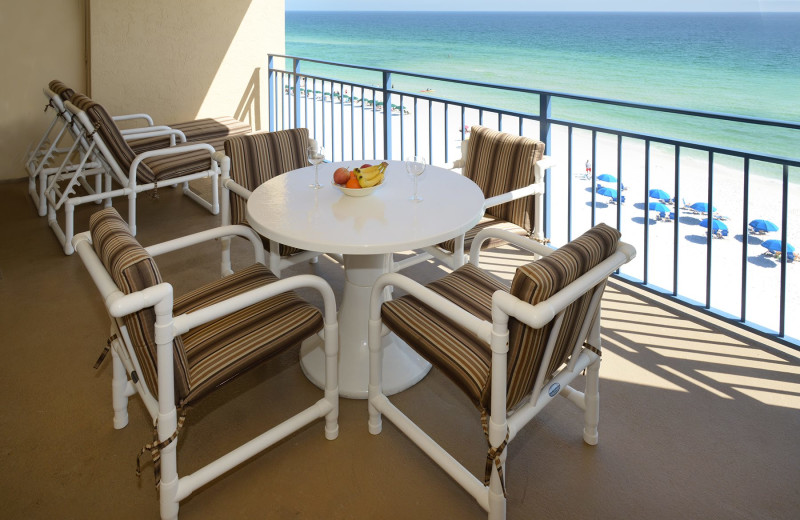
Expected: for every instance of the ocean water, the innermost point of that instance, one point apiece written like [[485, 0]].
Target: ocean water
[[737, 63]]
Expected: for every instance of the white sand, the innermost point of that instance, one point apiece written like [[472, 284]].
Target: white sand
[[763, 273]]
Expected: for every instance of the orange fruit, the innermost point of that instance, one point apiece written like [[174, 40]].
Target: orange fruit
[[352, 182]]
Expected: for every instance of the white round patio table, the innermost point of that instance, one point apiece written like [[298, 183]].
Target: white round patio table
[[364, 230]]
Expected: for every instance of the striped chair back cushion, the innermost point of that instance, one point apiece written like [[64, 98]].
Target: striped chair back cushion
[[109, 133], [499, 162], [61, 90], [133, 269], [256, 158], [536, 282]]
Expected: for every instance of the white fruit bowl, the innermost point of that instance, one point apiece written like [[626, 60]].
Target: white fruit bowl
[[358, 192]]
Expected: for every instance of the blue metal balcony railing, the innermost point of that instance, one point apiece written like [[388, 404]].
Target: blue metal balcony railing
[[363, 113]]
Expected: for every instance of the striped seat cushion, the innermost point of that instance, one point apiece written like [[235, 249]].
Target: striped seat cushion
[[211, 354], [152, 170], [463, 357], [222, 349], [61, 90], [466, 359], [133, 269], [212, 130], [258, 157], [499, 163]]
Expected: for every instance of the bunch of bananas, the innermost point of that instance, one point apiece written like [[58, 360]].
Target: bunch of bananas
[[370, 176]]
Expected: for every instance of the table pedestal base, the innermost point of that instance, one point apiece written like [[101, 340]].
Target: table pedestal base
[[402, 366]]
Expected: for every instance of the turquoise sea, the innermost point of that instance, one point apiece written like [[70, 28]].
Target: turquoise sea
[[737, 63]]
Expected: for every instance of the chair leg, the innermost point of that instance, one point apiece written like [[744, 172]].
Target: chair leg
[[497, 502], [168, 489], [375, 388], [119, 395], [592, 403]]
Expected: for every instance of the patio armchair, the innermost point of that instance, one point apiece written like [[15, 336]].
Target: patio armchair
[[510, 351], [126, 173], [249, 161], [510, 171], [175, 350]]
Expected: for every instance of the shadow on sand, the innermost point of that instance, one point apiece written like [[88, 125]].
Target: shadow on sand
[[641, 220], [762, 261], [751, 240], [689, 220], [597, 204], [697, 239]]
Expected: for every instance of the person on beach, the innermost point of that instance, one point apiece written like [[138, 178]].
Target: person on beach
[[588, 167]]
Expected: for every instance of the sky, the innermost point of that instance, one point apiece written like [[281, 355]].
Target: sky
[[544, 5]]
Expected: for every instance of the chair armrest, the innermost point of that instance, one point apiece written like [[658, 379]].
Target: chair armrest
[[525, 243], [190, 320], [132, 117], [229, 184], [153, 131], [211, 234], [479, 327], [527, 191], [173, 150]]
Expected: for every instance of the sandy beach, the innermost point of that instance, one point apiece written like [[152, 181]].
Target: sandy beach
[[763, 272]]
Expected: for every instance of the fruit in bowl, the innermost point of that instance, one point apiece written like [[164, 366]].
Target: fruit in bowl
[[361, 180]]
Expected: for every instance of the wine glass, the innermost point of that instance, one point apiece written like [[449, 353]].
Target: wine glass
[[316, 155], [415, 165]]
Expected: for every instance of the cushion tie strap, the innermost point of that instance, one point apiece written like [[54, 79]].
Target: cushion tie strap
[[104, 353], [154, 193], [493, 455], [155, 448], [593, 349]]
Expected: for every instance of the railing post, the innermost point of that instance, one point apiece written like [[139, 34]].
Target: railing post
[[387, 115], [545, 102], [296, 70], [273, 93]]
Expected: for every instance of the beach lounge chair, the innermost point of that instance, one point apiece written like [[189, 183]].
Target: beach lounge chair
[[510, 351], [613, 200], [126, 173], [176, 350], [254, 159], [510, 171]]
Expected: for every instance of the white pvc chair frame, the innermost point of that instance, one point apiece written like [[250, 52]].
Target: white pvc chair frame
[[495, 333], [277, 263], [457, 258], [40, 162], [173, 488], [59, 196]]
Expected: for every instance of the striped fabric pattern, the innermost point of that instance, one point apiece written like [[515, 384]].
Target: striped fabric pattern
[[214, 353], [211, 130], [537, 281], [61, 90], [133, 269], [464, 358], [499, 163], [460, 355], [152, 170], [220, 350], [258, 157]]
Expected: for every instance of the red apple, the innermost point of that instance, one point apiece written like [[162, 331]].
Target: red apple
[[341, 175], [366, 165]]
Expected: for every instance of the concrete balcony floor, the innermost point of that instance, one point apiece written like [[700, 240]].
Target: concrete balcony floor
[[698, 420]]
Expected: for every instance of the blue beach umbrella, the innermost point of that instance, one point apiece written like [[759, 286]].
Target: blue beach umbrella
[[760, 224], [659, 194], [608, 192], [658, 206], [716, 225], [606, 178], [776, 245], [702, 207]]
